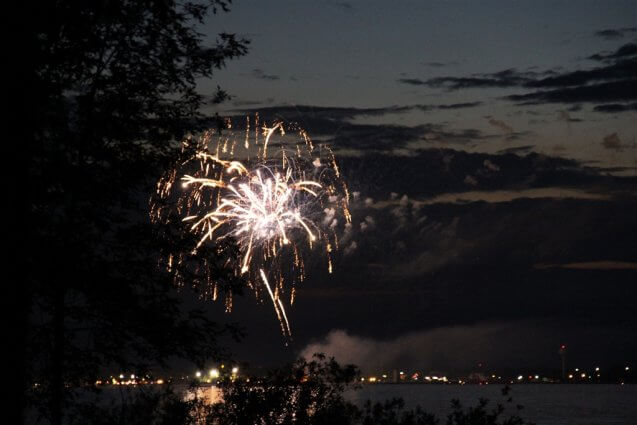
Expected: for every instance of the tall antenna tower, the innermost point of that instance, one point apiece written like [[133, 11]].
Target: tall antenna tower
[[562, 353]]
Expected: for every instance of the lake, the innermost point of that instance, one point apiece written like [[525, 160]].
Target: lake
[[543, 404]]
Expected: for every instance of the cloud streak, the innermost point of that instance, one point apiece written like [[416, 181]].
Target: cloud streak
[[615, 33], [592, 265], [338, 125], [261, 75], [613, 80], [496, 196]]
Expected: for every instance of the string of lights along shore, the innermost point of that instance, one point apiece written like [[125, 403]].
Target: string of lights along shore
[[255, 202], [587, 374]]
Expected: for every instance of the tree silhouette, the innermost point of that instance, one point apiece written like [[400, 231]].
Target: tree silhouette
[[314, 392], [305, 392], [113, 87]]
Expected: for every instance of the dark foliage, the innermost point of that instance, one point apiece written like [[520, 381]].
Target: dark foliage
[[305, 392], [114, 86], [484, 414], [314, 392], [393, 412]]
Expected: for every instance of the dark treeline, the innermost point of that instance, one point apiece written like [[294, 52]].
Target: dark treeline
[[111, 87]]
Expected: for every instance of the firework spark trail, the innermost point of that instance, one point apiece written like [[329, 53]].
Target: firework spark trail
[[274, 208], [278, 307]]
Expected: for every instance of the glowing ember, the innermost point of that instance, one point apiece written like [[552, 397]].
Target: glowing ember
[[273, 206]]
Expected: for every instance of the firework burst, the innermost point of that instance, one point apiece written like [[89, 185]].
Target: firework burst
[[259, 204]]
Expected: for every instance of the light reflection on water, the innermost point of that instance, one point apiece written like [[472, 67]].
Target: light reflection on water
[[209, 394]]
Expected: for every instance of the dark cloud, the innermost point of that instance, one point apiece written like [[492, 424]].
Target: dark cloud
[[446, 169], [517, 150], [247, 102], [611, 82], [260, 74], [616, 170], [448, 209], [616, 71], [565, 116], [331, 112], [613, 142], [334, 125], [460, 105], [616, 107], [626, 50], [511, 78], [625, 90], [501, 125], [412, 81], [593, 265], [370, 137], [440, 64], [613, 34], [506, 78], [432, 256], [458, 264]]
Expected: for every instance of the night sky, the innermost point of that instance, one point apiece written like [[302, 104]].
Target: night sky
[[492, 151]]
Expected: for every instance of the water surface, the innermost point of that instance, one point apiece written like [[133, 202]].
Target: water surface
[[543, 404]]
